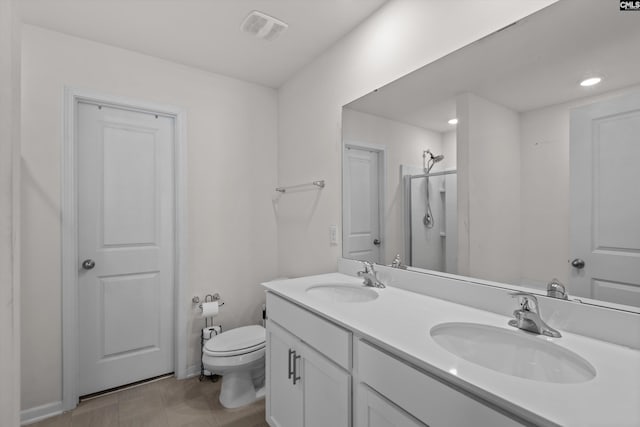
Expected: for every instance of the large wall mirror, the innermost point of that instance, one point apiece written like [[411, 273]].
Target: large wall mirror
[[503, 162]]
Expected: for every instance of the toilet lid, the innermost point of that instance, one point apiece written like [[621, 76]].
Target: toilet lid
[[236, 341]]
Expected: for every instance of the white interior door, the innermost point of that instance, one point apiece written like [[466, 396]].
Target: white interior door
[[605, 200], [361, 221], [125, 246]]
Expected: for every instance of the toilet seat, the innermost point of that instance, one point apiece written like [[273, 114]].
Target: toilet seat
[[238, 341]]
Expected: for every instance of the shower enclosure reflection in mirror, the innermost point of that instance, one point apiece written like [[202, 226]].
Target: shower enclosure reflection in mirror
[[545, 182]]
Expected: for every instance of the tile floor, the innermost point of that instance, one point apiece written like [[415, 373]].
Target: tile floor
[[164, 403]]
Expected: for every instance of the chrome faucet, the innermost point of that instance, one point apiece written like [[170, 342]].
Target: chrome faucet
[[528, 316], [397, 263], [556, 289], [370, 275]]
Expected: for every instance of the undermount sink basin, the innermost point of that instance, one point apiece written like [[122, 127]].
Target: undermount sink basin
[[342, 292], [514, 353]]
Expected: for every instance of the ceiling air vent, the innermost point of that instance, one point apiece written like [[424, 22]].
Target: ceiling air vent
[[263, 26]]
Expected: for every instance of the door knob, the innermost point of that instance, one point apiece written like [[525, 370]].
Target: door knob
[[88, 264], [376, 242], [578, 263]]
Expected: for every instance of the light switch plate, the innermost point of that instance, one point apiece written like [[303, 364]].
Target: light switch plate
[[333, 235]]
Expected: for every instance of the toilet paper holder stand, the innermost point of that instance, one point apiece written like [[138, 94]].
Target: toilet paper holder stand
[[207, 298], [196, 300]]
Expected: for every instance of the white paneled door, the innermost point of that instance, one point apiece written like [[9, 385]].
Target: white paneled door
[[361, 202], [125, 246], [605, 200]]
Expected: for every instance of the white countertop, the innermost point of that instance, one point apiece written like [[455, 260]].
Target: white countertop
[[399, 321]]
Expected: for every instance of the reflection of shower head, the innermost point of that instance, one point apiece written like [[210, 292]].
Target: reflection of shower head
[[431, 156], [428, 164]]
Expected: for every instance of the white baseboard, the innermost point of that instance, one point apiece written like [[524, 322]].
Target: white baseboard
[[39, 413], [32, 415], [192, 371]]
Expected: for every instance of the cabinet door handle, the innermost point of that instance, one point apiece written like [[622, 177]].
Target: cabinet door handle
[[295, 368], [290, 361]]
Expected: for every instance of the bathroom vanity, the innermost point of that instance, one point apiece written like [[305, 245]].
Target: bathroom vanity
[[502, 213], [339, 354]]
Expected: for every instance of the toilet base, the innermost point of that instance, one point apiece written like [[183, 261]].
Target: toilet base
[[238, 389]]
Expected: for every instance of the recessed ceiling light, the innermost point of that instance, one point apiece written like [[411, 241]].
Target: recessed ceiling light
[[590, 81], [453, 122]]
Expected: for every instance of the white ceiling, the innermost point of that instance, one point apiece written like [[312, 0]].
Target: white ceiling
[[535, 63], [206, 33]]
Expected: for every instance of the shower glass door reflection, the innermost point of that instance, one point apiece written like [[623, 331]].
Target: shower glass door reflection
[[432, 245]]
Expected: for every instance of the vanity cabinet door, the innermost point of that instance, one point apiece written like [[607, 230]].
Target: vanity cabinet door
[[284, 398], [375, 411], [327, 391], [304, 388]]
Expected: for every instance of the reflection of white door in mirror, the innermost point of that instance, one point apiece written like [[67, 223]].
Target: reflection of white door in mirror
[[605, 200], [361, 200]]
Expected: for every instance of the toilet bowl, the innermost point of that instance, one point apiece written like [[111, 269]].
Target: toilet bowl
[[238, 356]]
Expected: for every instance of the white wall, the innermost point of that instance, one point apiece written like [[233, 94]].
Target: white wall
[[449, 149], [545, 195], [232, 137], [402, 36], [9, 216], [489, 155], [404, 146]]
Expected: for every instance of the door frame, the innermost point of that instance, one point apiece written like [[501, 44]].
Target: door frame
[[382, 179], [69, 227]]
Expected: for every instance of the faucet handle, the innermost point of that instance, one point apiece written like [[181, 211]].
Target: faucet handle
[[529, 301], [556, 289], [368, 267], [397, 263]]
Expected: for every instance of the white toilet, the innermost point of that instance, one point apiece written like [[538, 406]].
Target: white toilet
[[238, 356]]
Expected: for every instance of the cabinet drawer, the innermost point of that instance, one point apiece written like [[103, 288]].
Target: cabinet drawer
[[326, 337], [424, 397]]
